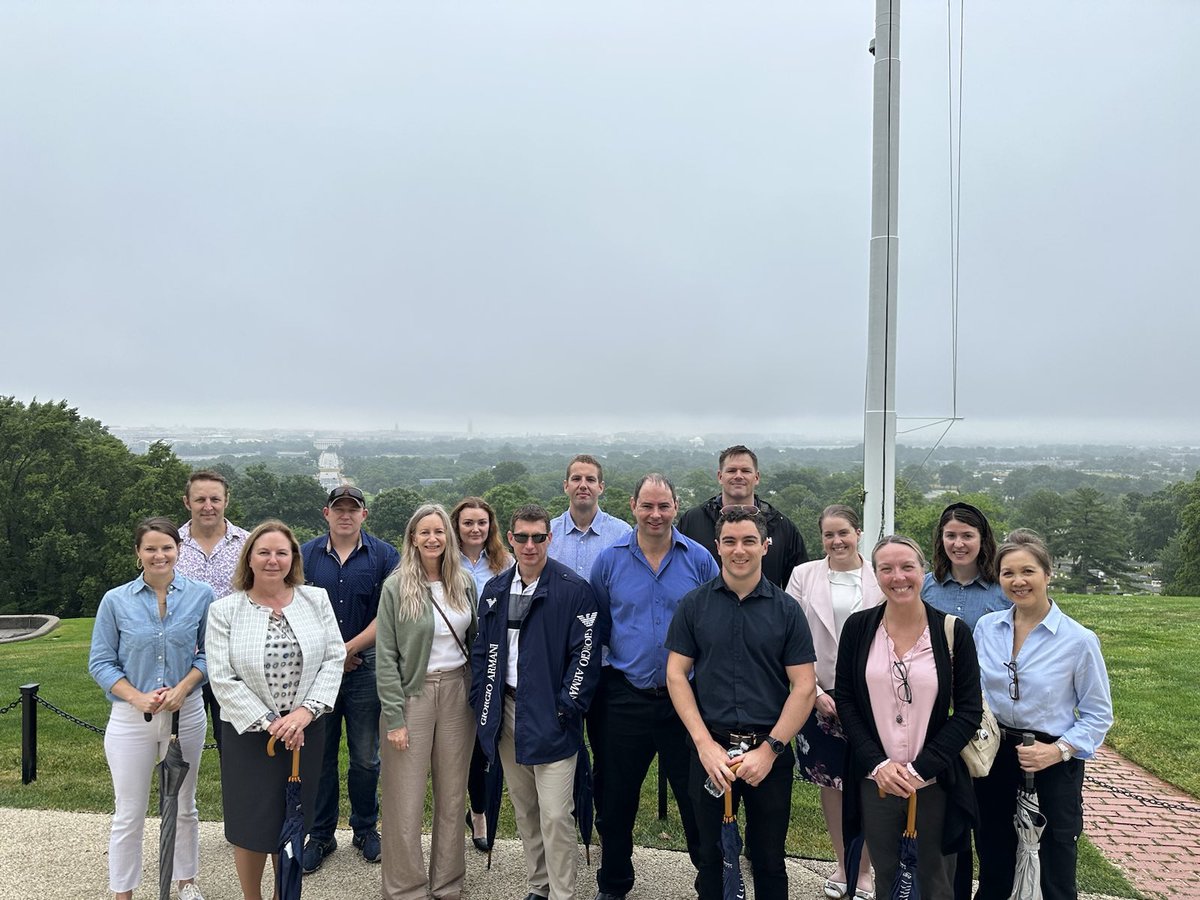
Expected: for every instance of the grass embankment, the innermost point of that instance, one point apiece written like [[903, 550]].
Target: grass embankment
[[73, 774]]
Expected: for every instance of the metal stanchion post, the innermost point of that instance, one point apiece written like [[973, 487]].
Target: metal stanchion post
[[28, 733]]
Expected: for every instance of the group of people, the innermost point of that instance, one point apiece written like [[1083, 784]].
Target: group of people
[[479, 666]]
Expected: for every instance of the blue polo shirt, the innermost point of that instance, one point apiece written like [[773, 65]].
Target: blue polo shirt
[[970, 601], [636, 603], [353, 587], [577, 549]]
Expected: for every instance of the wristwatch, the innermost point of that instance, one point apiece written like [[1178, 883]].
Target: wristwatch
[[1065, 749], [775, 744]]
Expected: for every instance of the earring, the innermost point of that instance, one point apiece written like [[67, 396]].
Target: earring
[[139, 563]]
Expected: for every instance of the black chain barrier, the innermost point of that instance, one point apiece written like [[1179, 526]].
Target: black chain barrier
[[10, 706], [75, 720], [1156, 802]]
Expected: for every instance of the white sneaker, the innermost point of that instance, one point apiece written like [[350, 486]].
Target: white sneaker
[[190, 892]]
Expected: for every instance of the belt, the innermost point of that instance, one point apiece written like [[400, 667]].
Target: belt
[[1017, 735], [655, 692], [750, 738]]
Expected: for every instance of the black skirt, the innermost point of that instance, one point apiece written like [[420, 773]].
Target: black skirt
[[253, 785], [821, 751]]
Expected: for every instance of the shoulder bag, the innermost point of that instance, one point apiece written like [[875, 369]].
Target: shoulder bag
[[984, 744]]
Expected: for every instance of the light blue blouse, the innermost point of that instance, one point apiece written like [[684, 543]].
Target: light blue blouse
[[130, 641], [968, 601], [1061, 675]]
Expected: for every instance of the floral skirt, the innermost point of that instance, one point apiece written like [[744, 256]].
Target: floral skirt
[[821, 751]]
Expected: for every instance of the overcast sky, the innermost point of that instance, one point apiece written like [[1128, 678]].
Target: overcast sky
[[624, 215]]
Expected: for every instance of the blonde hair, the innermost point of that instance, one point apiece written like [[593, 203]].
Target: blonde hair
[[411, 575], [243, 575]]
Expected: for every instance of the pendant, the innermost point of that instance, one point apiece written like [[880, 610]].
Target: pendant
[[899, 719]]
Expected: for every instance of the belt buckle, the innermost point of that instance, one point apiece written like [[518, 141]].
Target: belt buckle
[[748, 739]]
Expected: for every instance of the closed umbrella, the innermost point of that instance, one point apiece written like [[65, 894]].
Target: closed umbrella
[[171, 772], [585, 810], [732, 885], [291, 836], [1030, 823], [907, 886], [493, 782]]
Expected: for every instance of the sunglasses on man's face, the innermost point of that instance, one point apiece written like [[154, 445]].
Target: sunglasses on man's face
[[522, 537]]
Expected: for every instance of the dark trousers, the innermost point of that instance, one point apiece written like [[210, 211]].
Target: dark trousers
[[768, 810], [636, 725], [1060, 795], [884, 821], [964, 872], [594, 726], [214, 711], [477, 780]]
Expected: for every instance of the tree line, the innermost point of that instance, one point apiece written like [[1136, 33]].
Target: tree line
[[70, 494]]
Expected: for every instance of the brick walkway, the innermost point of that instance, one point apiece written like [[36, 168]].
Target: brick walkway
[[1157, 847]]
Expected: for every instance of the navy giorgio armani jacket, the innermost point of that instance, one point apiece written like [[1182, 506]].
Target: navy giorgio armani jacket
[[557, 670]]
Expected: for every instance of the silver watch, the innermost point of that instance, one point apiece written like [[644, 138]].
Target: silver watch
[[1065, 749]]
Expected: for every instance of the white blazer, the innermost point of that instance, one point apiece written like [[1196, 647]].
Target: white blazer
[[237, 647], [809, 584]]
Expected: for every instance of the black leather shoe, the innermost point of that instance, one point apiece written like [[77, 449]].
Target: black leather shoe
[[480, 843], [604, 895], [535, 897]]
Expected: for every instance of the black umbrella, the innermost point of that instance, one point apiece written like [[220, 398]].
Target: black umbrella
[[907, 886], [585, 810], [171, 772], [291, 836], [732, 885], [493, 783], [1030, 823]]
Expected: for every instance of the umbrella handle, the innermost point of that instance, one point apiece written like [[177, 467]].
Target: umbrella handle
[[729, 796], [911, 830], [295, 757], [1027, 740]]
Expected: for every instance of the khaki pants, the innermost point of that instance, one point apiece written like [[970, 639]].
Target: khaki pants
[[542, 803], [441, 734]]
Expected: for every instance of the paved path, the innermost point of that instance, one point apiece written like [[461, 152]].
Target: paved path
[[1157, 844]]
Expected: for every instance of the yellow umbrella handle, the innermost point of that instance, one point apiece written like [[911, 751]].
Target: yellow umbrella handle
[[911, 830], [729, 797], [295, 758]]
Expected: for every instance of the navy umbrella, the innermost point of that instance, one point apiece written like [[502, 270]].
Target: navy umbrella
[[732, 885], [585, 810], [171, 772], [906, 886], [291, 836], [493, 782]]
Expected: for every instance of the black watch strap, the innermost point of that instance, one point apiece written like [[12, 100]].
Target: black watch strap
[[775, 744]]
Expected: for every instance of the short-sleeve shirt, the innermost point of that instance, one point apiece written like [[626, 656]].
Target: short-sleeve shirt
[[740, 650]]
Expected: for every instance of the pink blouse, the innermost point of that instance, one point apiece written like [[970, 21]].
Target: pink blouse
[[901, 725]]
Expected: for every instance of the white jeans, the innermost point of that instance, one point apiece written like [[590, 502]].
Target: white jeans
[[133, 747]]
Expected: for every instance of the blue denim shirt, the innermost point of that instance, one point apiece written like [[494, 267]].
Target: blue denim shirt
[[354, 587], [481, 572], [578, 549], [636, 603], [130, 641], [968, 601]]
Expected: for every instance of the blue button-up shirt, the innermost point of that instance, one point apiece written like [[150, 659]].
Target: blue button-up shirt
[[1061, 675], [353, 586], [579, 549], [480, 571], [968, 601], [636, 603], [130, 641]]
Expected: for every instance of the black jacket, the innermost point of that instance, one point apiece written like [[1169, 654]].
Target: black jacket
[[787, 546], [946, 736]]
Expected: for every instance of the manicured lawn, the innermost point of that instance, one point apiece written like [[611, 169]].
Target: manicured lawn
[[1152, 649], [73, 773]]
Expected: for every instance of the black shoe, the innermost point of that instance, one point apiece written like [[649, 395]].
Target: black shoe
[[368, 843], [605, 895], [480, 843], [315, 851], [535, 897]]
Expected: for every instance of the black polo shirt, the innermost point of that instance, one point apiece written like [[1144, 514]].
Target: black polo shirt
[[740, 650]]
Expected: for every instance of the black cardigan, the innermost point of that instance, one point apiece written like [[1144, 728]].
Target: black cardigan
[[946, 735]]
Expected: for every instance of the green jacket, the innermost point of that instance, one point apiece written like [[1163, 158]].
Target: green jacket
[[402, 649]]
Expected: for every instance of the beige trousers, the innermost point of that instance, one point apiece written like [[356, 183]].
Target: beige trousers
[[441, 734], [542, 804]]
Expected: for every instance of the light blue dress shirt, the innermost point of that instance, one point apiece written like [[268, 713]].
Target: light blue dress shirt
[[1061, 675], [480, 571], [969, 601], [637, 604], [130, 641], [579, 549]]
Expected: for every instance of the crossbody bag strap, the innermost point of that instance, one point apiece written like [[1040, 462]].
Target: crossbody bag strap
[[453, 633]]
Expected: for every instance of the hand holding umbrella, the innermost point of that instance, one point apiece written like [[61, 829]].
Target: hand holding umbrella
[[1030, 823]]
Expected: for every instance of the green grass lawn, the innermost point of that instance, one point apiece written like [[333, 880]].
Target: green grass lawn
[[73, 774], [1152, 649]]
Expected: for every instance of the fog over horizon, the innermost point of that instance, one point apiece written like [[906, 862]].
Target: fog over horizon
[[545, 218]]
